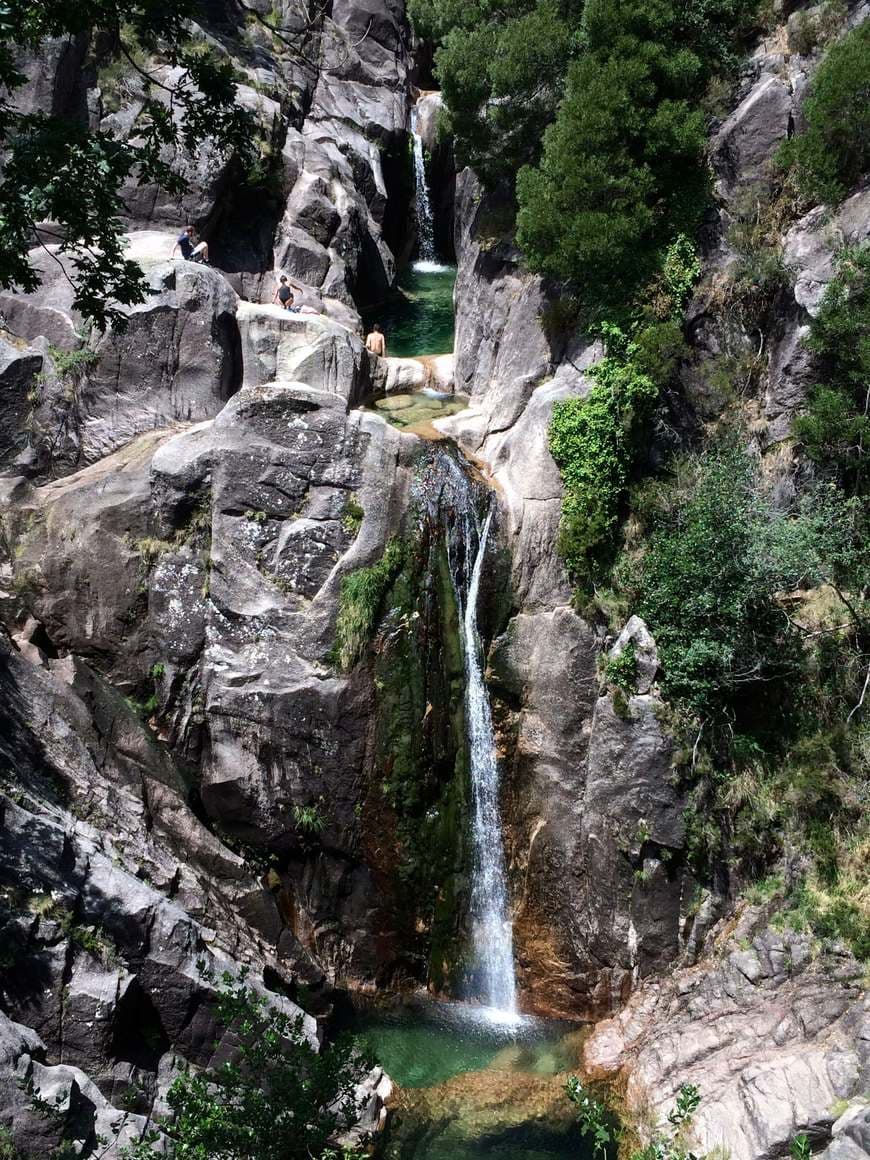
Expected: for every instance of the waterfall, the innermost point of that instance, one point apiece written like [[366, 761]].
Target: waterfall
[[425, 221], [492, 933]]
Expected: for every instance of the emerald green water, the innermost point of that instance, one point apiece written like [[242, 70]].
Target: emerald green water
[[417, 318], [469, 1089], [421, 407]]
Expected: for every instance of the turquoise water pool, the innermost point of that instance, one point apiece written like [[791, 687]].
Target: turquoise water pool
[[470, 1089], [417, 318]]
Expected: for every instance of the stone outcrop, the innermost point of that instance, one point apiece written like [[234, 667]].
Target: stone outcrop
[[115, 901], [215, 554], [772, 1032], [179, 358], [305, 347]]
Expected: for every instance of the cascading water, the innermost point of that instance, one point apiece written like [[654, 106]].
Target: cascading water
[[425, 222], [492, 931], [492, 934]]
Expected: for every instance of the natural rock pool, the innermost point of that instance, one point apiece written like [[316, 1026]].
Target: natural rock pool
[[468, 1088], [418, 318], [418, 408]]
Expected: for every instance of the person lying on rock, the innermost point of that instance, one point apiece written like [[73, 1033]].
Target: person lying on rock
[[375, 342], [191, 250], [284, 295]]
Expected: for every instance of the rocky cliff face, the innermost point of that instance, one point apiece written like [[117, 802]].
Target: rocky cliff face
[[169, 703], [181, 503], [604, 899], [774, 1035]]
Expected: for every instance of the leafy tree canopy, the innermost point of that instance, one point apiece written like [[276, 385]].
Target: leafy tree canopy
[[592, 113], [622, 169], [277, 1099], [61, 173], [502, 71]]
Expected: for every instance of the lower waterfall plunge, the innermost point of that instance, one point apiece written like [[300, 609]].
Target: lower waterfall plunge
[[492, 934]]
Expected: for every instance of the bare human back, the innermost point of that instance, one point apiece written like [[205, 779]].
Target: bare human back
[[375, 342]]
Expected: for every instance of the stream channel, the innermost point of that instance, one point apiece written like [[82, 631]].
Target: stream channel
[[473, 1079]]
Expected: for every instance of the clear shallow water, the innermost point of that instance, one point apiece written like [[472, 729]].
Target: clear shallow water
[[420, 407], [471, 1088], [417, 318]]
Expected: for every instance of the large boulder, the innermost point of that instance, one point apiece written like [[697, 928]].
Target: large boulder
[[119, 909], [200, 569], [281, 346], [178, 358]]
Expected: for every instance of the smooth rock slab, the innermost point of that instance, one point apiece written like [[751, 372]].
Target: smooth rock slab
[[304, 348]]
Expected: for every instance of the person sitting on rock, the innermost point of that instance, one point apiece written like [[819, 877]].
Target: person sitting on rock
[[284, 295], [191, 249], [375, 342]]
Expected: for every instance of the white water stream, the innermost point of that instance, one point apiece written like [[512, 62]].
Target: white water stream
[[427, 259], [492, 931]]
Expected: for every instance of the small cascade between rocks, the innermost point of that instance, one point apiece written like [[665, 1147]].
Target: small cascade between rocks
[[491, 927], [427, 258]]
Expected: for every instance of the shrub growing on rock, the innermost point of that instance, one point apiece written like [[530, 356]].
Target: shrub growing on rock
[[592, 439], [622, 166], [362, 595], [277, 1099], [835, 430], [833, 151]]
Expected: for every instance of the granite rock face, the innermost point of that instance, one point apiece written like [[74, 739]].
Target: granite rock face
[[114, 902], [773, 1033], [189, 773], [211, 557]]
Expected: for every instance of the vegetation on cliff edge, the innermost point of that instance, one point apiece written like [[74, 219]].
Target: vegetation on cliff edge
[[276, 1097]]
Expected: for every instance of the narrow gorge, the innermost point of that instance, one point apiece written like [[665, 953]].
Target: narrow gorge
[[457, 748]]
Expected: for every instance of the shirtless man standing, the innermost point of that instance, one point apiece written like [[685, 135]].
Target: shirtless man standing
[[375, 342]]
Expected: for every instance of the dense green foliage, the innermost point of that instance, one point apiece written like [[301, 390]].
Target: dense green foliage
[[717, 558], [760, 617], [278, 1099], [835, 430], [832, 151], [614, 86], [502, 72], [56, 169], [593, 439], [362, 596]]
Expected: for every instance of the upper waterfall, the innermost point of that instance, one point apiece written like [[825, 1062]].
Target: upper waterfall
[[425, 221]]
